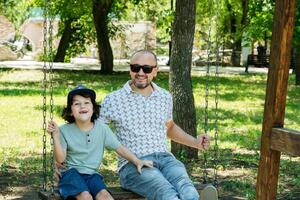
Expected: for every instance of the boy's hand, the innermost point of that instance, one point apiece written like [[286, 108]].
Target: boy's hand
[[57, 166], [53, 128], [143, 163]]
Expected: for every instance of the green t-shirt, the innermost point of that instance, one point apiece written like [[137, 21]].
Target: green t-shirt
[[85, 149]]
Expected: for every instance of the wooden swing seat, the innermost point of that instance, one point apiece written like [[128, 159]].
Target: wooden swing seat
[[118, 193]]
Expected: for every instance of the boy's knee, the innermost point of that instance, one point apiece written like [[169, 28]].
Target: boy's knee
[[84, 196], [104, 195]]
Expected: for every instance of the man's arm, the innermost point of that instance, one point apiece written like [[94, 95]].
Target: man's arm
[[180, 136], [128, 155]]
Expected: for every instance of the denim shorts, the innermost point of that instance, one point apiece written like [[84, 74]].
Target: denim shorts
[[73, 183], [167, 180]]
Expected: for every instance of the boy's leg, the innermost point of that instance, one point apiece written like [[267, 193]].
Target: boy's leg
[[104, 194], [175, 172], [97, 187], [84, 196], [150, 184], [209, 193], [71, 184]]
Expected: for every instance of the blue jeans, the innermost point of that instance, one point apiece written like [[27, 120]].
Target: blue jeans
[[167, 180]]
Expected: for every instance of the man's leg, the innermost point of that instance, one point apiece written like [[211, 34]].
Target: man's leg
[[150, 184], [176, 174]]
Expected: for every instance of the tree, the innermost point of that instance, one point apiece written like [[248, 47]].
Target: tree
[[232, 19], [83, 22], [296, 43], [75, 27], [101, 10], [184, 113], [233, 24], [260, 20], [16, 11], [158, 12]]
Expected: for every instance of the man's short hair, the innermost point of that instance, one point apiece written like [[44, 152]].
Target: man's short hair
[[145, 51]]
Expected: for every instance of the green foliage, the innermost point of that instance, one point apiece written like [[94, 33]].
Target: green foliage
[[260, 18], [225, 16], [296, 35], [46, 57], [17, 11], [82, 37], [158, 12]]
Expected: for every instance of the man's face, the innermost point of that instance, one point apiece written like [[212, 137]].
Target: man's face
[[139, 76]]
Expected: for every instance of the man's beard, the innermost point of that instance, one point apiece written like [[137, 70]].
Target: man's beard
[[141, 85]]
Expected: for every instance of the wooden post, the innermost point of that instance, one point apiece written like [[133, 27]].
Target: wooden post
[[274, 110]]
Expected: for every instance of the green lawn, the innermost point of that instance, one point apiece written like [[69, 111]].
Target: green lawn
[[241, 101]]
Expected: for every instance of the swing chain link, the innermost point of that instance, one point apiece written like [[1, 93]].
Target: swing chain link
[[47, 47], [51, 97], [216, 134], [207, 77], [45, 30], [216, 97]]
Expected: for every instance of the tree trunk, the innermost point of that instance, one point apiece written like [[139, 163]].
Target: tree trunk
[[297, 67], [64, 41], [100, 12], [180, 74], [235, 27]]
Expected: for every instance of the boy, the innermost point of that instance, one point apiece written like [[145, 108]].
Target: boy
[[80, 143]]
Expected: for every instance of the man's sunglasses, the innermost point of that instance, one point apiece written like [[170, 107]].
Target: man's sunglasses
[[146, 68]]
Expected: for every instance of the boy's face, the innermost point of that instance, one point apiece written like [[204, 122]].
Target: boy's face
[[82, 108]]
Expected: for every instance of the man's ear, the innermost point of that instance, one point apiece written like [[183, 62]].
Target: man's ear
[[155, 72]]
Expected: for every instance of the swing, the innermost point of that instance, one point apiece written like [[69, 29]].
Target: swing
[[117, 193]]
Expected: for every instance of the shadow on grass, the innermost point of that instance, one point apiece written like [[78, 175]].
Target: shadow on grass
[[23, 176], [236, 173]]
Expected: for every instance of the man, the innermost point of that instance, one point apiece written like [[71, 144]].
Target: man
[[141, 113]]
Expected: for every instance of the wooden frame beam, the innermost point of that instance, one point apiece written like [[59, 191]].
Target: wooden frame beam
[[118, 193], [275, 102], [286, 141]]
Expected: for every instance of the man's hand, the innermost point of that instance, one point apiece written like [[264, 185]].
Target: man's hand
[[203, 141], [143, 163]]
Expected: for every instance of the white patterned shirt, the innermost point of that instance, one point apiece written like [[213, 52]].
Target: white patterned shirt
[[139, 121]]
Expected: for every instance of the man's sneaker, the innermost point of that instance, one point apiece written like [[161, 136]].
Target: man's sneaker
[[209, 193]]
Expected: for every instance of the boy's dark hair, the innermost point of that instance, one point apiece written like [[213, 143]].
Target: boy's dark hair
[[84, 92]]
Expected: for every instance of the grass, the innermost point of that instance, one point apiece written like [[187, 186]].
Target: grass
[[241, 103]]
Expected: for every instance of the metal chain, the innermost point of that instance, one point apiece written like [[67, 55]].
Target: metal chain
[[44, 102], [47, 44], [207, 77], [216, 147], [50, 40]]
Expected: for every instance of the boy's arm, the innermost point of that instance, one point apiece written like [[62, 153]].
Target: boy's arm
[[59, 152], [128, 155]]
